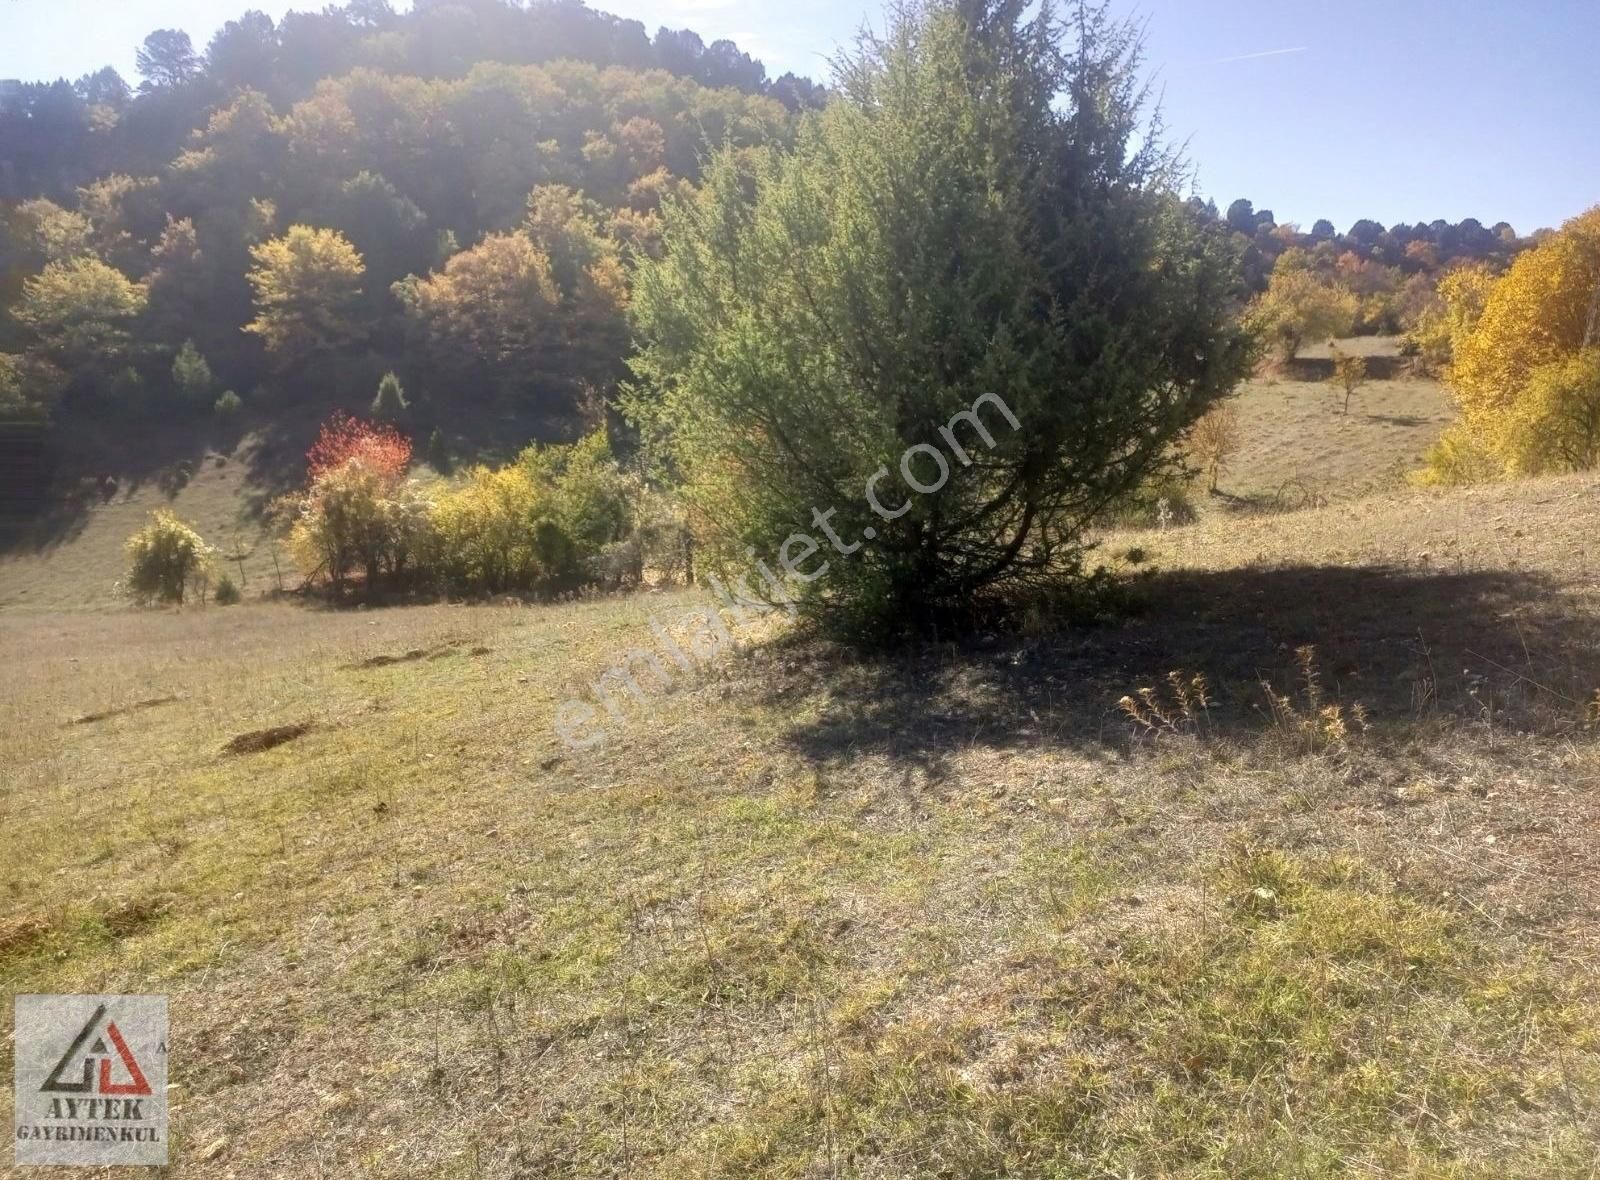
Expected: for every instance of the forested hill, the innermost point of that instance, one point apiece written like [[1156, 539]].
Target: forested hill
[[60, 135], [265, 227]]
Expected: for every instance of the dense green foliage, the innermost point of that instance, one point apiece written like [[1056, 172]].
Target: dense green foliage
[[967, 277]]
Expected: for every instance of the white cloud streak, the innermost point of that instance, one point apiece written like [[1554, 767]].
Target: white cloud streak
[[1222, 61]]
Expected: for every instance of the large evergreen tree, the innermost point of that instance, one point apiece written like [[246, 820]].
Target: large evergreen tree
[[983, 213]]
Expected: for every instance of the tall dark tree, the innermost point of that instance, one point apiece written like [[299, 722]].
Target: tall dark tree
[[105, 88], [167, 58], [679, 50], [244, 52], [724, 64], [1242, 216], [1364, 234], [798, 94]]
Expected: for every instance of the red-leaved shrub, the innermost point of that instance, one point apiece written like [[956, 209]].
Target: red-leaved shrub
[[383, 448]]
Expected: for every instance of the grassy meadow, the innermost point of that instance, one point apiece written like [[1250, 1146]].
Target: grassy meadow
[[76, 561], [1297, 447], [1291, 871]]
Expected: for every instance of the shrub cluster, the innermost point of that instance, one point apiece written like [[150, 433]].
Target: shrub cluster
[[358, 516], [558, 518]]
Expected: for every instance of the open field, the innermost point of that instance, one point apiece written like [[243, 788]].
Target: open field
[[1297, 445], [1295, 440], [952, 913]]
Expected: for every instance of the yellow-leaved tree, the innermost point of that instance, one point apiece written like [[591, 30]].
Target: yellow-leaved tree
[[307, 292], [1527, 375], [1451, 315], [1299, 307]]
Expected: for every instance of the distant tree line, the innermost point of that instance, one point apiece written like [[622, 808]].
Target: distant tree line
[[1424, 248], [60, 135], [1370, 280]]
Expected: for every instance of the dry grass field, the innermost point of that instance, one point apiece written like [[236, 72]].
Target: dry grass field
[[77, 563], [1332, 910], [1298, 447]]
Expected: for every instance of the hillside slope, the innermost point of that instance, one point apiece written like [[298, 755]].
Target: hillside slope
[[951, 912], [81, 565]]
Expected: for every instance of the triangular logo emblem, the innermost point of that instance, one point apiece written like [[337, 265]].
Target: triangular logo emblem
[[85, 1082]]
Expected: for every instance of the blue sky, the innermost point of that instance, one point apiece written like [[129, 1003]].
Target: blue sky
[[1399, 110]]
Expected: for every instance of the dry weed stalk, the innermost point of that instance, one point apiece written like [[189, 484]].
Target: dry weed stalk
[[1190, 703], [1314, 722]]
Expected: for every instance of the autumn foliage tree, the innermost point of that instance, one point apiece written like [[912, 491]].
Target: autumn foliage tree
[[1525, 376], [1558, 415], [307, 287], [492, 304], [1450, 316], [1300, 306], [558, 517], [358, 512], [165, 558], [536, 313], [1349, 374], [342, 438], [359, 517], [81, 312]]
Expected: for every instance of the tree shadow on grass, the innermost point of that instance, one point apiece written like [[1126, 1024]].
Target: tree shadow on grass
[[51, 481], [1379, 368], [1407, 645]]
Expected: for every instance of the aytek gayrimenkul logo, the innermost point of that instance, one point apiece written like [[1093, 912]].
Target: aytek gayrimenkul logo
[[91, 1079]]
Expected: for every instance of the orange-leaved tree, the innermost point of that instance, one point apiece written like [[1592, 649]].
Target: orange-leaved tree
[[358, 510]]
